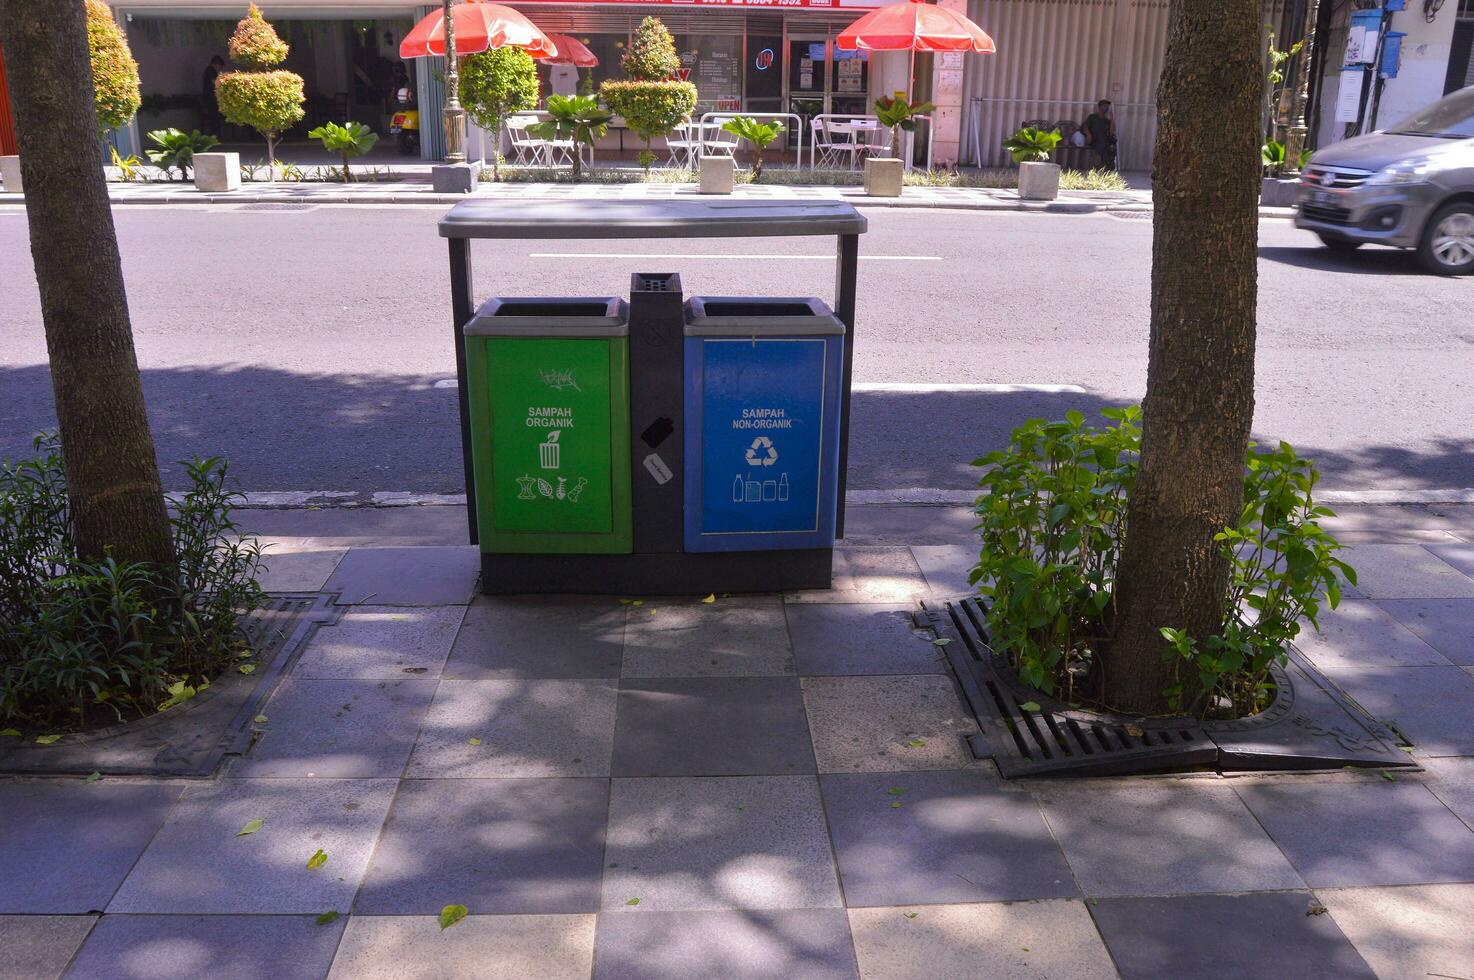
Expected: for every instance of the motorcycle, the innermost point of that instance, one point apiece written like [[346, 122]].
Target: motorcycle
[[405, 125]]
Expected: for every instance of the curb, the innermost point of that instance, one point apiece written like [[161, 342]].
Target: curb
[[859, 200]]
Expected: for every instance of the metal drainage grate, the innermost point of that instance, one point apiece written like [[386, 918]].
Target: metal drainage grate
[[1310, 725]]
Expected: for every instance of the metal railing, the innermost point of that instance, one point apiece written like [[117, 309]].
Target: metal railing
[[907, 139], [716, 118]]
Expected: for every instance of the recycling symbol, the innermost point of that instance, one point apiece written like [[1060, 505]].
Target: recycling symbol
[[755, 456]]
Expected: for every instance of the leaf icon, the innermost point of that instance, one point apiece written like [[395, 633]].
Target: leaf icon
[[553, 436], [545, 488]]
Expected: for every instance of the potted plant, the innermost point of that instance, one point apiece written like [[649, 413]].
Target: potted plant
[[176, 148], [352, 139], [494, 85], [884, 175], [578, 118], [650, 100], [760, 135], [1275, 190], [1038, 179]]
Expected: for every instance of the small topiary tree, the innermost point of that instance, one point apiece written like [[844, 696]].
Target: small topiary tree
[[651, 101], [114, 72], [494, 84], [268, 101]]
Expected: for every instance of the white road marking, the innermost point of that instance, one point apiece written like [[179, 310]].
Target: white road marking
[[675, 256], [922, 388]]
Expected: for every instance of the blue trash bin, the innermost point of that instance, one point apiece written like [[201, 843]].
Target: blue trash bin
[[763, 384]]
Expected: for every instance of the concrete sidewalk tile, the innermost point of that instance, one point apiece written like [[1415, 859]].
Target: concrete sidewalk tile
[[1050, 939], [1153, 837], [940, 837], [221, 947], [1452, 781], [883, 574], [406, 576], [887, 724], [1447, 625], [382, 642], [947, 567], [1460, 556], [711, 726], [749, 945], [198, 865], [479, 947], [298, 571], [1432, 705], [66, 845], [753, 842], [1270, 934], [860, 638], [1409, 933], [492, 845], [1364, 832], [736, 637], [337, 728], [538, 636], [1406, 571], [1358, 633], [525, 728], [39, 947]]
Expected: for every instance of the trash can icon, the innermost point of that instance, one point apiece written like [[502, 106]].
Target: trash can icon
[[550, 452]]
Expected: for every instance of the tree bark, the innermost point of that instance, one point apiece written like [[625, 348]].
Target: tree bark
[[1199, 402], [113, 489]]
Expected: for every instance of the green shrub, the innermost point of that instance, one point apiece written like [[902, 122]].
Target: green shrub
[[352, 139], [176, 148], [650, 108], [84, 643], [756, 133], [114, 72], [495, 84], [255, 43], [269, 102], [1033, 144], [1053, 522], [574, 117], [652, 53]]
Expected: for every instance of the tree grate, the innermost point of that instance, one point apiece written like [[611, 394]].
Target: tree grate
[[193, 738], [1310, 724]]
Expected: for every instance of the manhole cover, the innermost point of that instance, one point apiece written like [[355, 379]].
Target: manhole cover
[[193, 738], [1310, 725]]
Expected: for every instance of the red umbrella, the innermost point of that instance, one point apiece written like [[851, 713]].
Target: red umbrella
[[478, 27], [571, 51], [914, 26]]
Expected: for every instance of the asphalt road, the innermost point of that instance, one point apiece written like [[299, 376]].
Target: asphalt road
[[305, 345]]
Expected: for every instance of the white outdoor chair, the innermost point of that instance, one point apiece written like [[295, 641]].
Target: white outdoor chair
[[834, 144], [874, 141], [716, 141], [527, 150], [684, 143]]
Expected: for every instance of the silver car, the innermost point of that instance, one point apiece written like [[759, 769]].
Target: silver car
[[1411, 185]]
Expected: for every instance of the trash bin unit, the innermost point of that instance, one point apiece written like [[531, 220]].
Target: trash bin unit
[[548, 382], [762, 406]]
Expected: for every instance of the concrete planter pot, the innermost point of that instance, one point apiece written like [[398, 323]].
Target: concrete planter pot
[[10, 175], [718, 175], [1278, 192], [455, 178], [1038, 181], [884, 176], [217, 172]]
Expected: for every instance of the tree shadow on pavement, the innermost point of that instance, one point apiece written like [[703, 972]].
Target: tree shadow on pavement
[[1369, 259]]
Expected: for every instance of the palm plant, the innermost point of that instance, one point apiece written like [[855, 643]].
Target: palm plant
[[352, 139], [896, 114], [756, 133], [574, 117], [177, 148], [1030, 144]]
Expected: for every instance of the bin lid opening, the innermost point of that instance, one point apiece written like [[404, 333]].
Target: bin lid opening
[[552, 307], [751, 308]]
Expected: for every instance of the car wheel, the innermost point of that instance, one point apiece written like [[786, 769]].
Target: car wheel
[[1447, 247], [1339, 244]]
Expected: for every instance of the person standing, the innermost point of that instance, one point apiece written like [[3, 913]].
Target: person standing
[[212, 120], [1100, 134]]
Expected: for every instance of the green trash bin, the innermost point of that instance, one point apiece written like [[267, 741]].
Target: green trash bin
[[548, 384]]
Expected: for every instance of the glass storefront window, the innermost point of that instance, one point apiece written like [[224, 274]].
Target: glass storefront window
[[714, 63]]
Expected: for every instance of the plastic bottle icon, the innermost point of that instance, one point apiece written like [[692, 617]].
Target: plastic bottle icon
[[737, 489], [783, 487]]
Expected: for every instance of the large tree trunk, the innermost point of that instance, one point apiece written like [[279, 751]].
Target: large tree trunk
[[117, 504], [1200, 378]]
